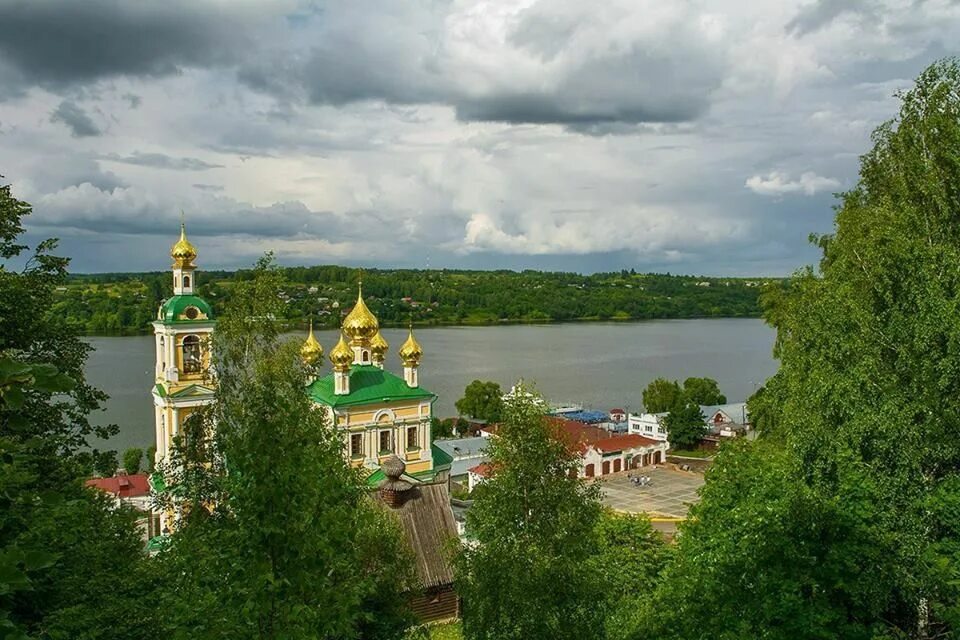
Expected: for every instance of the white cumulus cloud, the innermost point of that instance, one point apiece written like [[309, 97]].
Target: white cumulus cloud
[[778, 183]]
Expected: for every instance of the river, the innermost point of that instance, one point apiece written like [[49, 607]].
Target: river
[[601, 365]]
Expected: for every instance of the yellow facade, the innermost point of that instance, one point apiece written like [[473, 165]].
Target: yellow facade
[[182, 332], [380, 414], [369, 421]]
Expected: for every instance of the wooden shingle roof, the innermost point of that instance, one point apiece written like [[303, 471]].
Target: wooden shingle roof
[[428, 524]]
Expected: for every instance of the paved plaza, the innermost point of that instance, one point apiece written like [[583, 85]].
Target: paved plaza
[[669, 493]]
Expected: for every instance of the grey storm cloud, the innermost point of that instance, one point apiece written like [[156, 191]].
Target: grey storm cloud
[[574, 76], [373, 50], [162, 161], [60, 43], [76, 119], [820, 13], [132, 211]]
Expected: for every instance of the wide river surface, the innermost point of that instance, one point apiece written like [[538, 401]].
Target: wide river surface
[[600, 365]]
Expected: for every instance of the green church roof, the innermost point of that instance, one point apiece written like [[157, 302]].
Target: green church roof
[[368, 384], [174, 309]]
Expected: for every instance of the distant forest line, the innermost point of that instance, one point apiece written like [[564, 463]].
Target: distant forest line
[[126, 303]]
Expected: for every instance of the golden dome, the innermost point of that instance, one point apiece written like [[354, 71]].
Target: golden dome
[[379, 345], [341, 356], [360, 325], [311, 352], [182, 251], [411, 351]]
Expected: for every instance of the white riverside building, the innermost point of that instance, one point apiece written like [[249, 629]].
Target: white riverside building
[[723, 421]]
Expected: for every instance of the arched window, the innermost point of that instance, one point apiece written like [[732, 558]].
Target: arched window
[[192, 355], [186, 282]]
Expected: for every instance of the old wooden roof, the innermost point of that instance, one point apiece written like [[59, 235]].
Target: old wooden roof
[[428, 524]]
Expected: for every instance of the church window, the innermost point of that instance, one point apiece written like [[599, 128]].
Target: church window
[[192, 360], [385, 442], [186, 282], [412, 438], [365, 357], [356, 445]]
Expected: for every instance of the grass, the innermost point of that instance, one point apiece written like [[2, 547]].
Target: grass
[[692, 453], [447, 631]]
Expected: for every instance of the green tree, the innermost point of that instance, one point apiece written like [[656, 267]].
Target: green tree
[[661, 395], [440, 429], [534, 523], [278, 536], [62, 546], [685, 426], [798, 552], [631, 555], [105, 464], [481, 400], [858, 466], [151, 457], [131, 460], [703, 391]]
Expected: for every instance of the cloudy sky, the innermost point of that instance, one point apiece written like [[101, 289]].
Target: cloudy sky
[[684, 136]]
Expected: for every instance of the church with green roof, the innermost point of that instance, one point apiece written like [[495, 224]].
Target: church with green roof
[[380, 413]]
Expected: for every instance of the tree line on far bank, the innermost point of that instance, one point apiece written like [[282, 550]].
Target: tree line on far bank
[[118, 304]]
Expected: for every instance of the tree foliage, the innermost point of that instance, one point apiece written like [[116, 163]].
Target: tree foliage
[[841, 520], [630, 556], [123, 303], [663, 395], [278, 537], [481, 400], [703, 391], [685, 426], [132, 459], [534, 523], [62, 546]]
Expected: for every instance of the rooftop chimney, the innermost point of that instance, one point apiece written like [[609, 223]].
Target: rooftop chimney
[[393, 490]]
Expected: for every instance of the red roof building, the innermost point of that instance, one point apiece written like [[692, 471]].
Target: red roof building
[[603, 452], [484, 470], [123, 486], [133, 490]]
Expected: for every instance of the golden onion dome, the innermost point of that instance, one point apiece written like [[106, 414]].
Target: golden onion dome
[[379, 345], [311, 352], [182, 252], [411, 351], [360, 325], [341, 355]]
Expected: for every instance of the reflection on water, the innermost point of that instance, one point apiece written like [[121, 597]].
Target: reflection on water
[[601, 365]]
